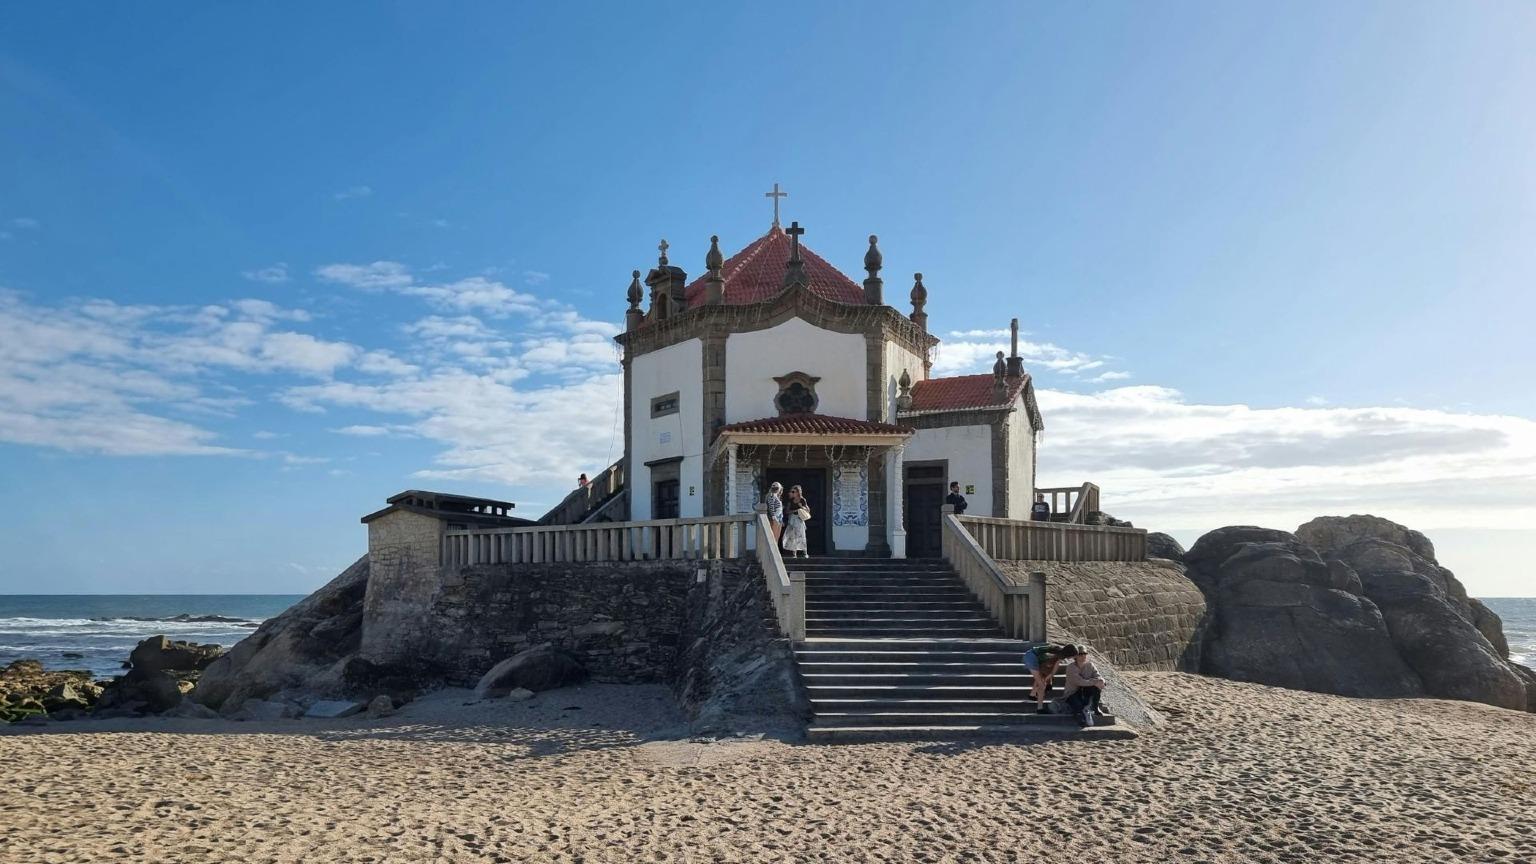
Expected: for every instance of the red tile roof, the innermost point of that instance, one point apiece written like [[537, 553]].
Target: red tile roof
[[962, 392], [816, 424], [757, 273]]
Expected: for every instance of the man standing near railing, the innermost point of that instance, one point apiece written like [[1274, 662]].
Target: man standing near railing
[[1040, 511], [776, 510], [955, 499]]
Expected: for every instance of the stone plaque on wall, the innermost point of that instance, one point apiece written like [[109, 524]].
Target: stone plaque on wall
[[850, 494], [747, 496]]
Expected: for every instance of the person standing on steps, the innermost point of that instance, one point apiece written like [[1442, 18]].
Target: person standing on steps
[[1040, 511], [797, 512], [1084, 688], [776, 510], [955, 499], [1041, 661]]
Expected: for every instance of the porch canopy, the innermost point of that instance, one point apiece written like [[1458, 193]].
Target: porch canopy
[[800, 430]]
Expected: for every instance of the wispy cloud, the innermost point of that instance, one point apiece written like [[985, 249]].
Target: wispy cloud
[[271, 275], [973, 351], [353, 192], [26, 223]]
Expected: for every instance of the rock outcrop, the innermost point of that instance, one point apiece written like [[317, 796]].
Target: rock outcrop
[[27, 690], [543, 667], [1160, 545], [1356, 606], [161, 671], [305, 650], [1284, 616]]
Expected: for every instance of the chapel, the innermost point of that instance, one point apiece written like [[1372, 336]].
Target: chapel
[[775, 366]]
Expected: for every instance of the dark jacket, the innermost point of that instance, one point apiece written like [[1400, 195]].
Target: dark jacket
[[957, 501]]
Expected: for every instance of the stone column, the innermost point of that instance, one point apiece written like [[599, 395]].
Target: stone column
[[730, 480], [893, 489]]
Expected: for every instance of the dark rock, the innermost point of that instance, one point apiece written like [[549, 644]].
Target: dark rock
[[1282, 616], [144, 691], [158, 653], [1490, 625], [72, 655], [305, 649], [1329, 535], [1160, 545], [544, 667], [1451, 657]]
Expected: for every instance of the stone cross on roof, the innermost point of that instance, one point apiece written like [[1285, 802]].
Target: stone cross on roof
[[775, 195]]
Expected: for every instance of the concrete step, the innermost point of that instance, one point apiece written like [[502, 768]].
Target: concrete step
[[820, 694], [843, 594], [889, 719], [898, 602], [898, 618], [932, 660], [956, 631], [955, 676], [924, 705], [941, 670], [1000, 733]]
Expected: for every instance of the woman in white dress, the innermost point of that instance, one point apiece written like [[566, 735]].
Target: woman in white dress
[[796, 512]]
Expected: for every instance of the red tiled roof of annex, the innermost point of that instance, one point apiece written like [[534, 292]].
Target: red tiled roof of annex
[[962, 392], [756, 273], [816, 424]]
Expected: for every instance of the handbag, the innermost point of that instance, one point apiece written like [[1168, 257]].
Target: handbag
[[804, 513]]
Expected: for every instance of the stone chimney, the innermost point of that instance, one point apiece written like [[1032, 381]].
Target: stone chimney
[[1015, 362]]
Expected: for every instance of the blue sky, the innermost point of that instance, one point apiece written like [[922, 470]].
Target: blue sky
[[261, 267]]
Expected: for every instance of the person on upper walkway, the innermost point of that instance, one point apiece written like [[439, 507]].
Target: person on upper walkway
[[955, 499], [1040, 511]]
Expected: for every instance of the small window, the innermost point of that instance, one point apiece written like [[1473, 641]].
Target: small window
[[797, 394], [661, 406]]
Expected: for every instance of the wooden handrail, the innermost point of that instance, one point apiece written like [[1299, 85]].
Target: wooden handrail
[[785, 588], [704, 539], [1072, 503], [1015, 539], [581, 501], [1019, 609]]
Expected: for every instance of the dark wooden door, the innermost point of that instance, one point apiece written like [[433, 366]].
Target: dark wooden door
[[920, 517], [665, 504], [813, 482]]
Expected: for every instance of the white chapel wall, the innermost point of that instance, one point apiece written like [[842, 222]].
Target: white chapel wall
[[1021, 461], [969, 451], [677, 368], [754, 359]]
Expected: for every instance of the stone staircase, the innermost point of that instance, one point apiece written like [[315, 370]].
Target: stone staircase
[[898, 648]]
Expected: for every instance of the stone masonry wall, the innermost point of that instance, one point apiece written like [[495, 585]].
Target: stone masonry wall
[[403, 578], [624, 620], [1142, 615]]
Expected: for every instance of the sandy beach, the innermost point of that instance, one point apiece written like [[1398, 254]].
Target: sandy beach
[[605, 773]]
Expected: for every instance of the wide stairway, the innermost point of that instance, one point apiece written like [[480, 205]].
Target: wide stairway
[[901, 647]]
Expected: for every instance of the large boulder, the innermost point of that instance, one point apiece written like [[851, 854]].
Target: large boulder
[[543, 667], [305, 649], [157, 654], [1160, 545], [142, 691], [1329, 535], [1285, 617]]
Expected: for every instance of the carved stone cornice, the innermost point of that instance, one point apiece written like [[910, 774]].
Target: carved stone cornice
[[796, 301]]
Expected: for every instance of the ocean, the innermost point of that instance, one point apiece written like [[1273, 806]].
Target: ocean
[[102, 628]]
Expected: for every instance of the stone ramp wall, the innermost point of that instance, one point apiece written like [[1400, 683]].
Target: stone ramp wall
[[1144, 616]]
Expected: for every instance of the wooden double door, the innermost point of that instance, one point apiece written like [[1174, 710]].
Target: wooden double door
[[923, 496]]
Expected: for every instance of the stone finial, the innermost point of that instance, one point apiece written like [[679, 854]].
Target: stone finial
[[999, 377], [874, 287], [714, 283], [794, 269], [633, 316], [663, 246], [904, 391], [999, 369], [919, 300]]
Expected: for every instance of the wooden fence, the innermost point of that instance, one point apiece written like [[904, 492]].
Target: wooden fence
[[1071, 503], [1055, 541], [707, 539]]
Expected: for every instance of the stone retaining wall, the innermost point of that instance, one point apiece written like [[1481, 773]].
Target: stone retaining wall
[[1145, 616], [624, 620]]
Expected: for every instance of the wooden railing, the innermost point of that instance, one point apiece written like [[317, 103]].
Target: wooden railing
[[1072, 503], [584, 499], [787, 589], [707, 539], [1055, 541], [1020, 609]]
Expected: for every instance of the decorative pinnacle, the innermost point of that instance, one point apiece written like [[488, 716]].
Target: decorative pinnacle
[[873, 259], [794, 270], [634, 290], [713, 260], [1000, 367], [663, 246], [919, 293], [904, 383]]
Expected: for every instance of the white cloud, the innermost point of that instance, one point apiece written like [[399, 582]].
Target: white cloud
[[378, 276], [1317, 400], [1109, 376], [361, 431], [272, 275], [1164, 462], [25, 222], [534, 277], [353, 192], [974, 351]]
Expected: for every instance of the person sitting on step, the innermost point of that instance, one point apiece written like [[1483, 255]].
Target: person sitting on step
[[1041, 661], [1084, 688]]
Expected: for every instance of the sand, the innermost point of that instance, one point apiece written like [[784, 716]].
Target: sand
[[1241, 773]]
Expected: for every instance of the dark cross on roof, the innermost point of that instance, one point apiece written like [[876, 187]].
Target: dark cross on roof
[[775, 195], [794, 231]]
